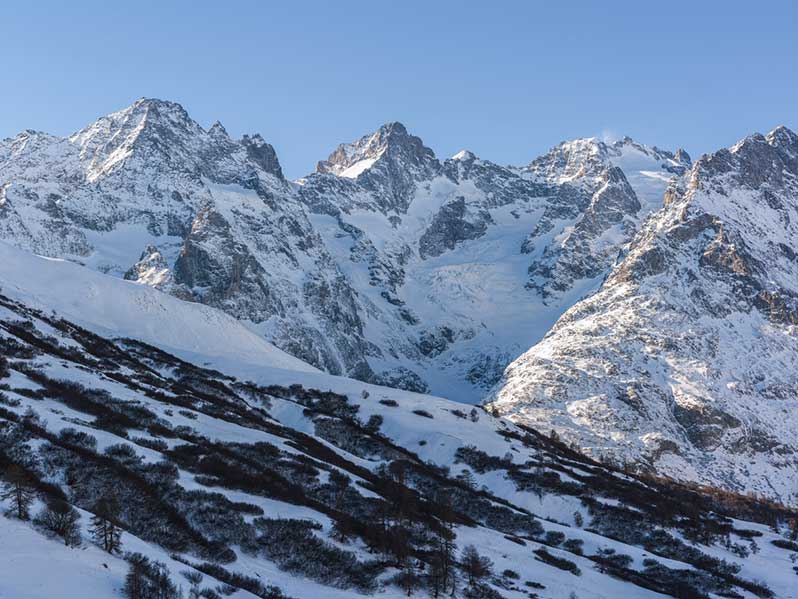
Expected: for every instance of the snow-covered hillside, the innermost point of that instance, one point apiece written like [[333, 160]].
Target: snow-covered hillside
[[301, 484], [685, 360], [118, 308]]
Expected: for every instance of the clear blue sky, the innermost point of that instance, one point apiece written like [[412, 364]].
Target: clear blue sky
[[507, 80]]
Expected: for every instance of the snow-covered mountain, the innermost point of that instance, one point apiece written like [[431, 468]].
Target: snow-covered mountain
[[386, 264], [685, 360], [392, 266], [271, 479], [148, 194], [461, 264]]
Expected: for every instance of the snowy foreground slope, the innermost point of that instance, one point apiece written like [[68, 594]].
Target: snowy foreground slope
[[387, 264], [685, 360], [115, 307], [300, 484]]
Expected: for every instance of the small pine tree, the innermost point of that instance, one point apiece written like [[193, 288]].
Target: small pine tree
[[408, 581], [441, 572], [105, 525], [467, 478], [342, 528], [136, 582], [148, 580], [162, 582], [61, 519], [19, 488], [374, 423]]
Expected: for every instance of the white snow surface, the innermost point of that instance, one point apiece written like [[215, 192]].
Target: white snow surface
[[113, 307]]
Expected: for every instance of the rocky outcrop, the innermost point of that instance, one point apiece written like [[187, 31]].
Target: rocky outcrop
[[151, 269], [452, 224]]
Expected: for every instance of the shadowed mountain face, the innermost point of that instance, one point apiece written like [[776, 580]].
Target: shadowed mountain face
[[684, 360], [386, 264]]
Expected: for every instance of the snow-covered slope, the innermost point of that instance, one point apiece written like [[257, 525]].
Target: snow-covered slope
[[303, 484], [685, 360], [113, 307]]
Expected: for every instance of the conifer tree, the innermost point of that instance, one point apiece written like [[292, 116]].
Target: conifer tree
[[19, 488], [475, 565], [105, 525]]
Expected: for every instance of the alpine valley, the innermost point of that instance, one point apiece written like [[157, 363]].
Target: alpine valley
[[399, 374]]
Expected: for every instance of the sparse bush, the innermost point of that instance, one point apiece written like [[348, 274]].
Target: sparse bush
[[558, 562], [554, 537], [574, 546], [61, 519]]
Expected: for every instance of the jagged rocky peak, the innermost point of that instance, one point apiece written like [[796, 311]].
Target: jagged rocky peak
[[262, 154], [681, 156], [570, 160], [783, 137], [462, 164], [128, 124], [157, 132], [21, 151], [388, 164], [464, 156], [756, 160], [580, 160], [26, 141], [218, 130], [390, 142], [160, 134]]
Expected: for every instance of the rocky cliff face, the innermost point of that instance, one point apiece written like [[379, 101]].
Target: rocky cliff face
[[684, 360]]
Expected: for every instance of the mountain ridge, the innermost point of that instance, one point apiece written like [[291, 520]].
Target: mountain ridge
[[230, 231]]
